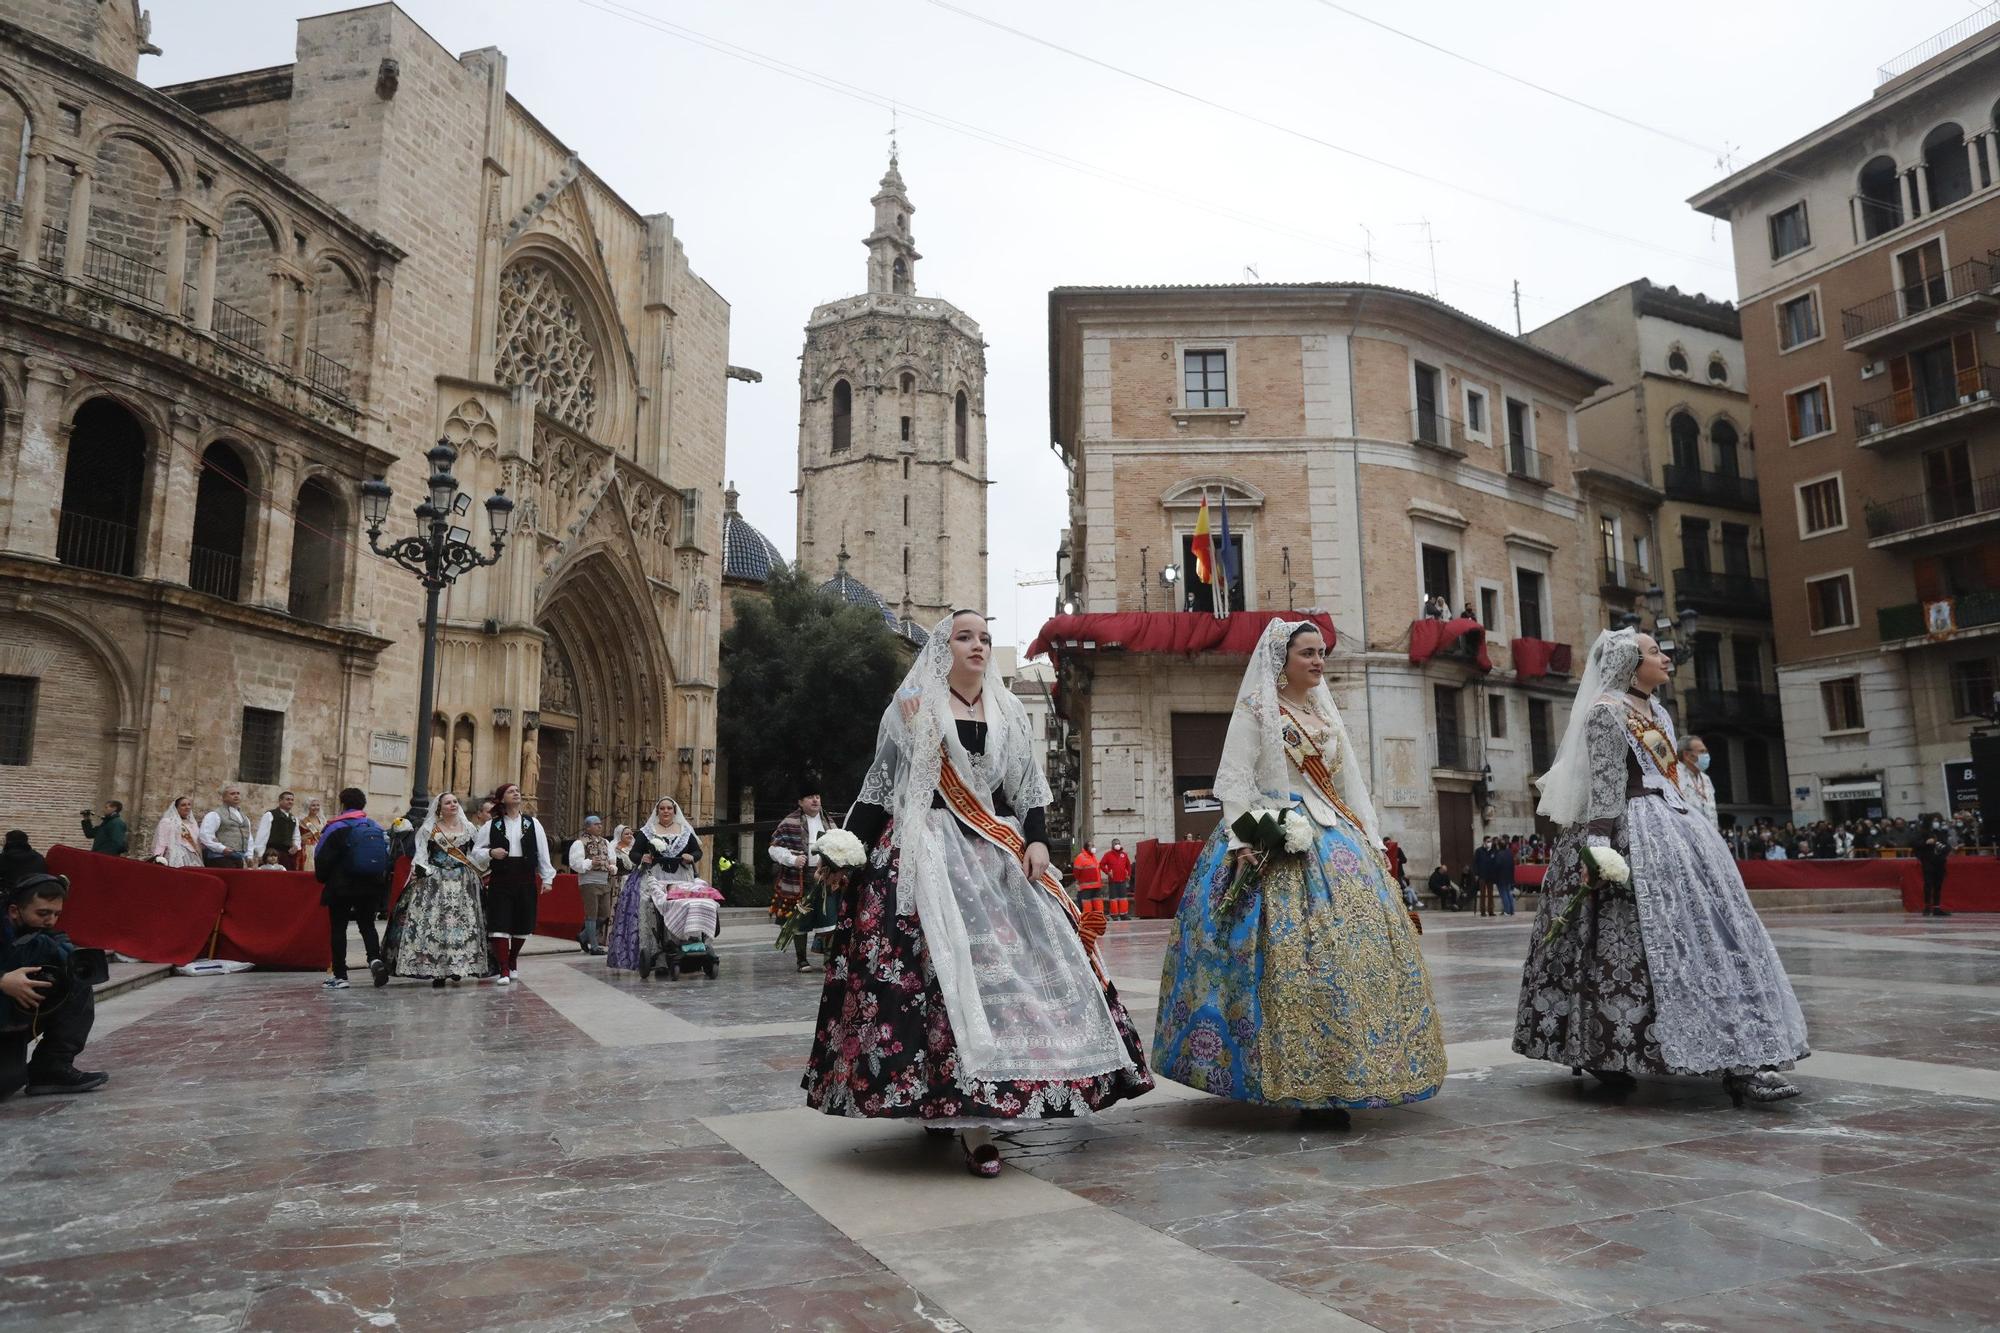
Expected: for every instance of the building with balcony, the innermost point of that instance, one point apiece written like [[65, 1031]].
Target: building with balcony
[[222, 307], [1670, 476], [1866, 263], [1377, 450]]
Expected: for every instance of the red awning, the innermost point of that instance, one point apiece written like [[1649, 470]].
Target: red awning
[[1534, 658], [1185, 632], [1430, 636]]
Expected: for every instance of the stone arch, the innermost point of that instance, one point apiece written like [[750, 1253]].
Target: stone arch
[[1879, 186], [249, 241], [1684, 437], [134, 185], [552, 306], [1726, 443], [1946, 164], [339, 328], [104, 485], [840, 400], [80, 673], [224, 515], [319, 517], [1189, 493]]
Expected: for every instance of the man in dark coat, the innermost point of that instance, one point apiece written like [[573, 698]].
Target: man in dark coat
[[1934, 854], [18, 860], [1502, 866], [1482, 870], [108, 836], [352, 862]]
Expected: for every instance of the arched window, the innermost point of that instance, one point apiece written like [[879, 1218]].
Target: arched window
[[1722, 435], [1718, 370], [102, 483], [843, 416], [1947, 166], [900, 275], [1685, 432], [545, 341], [317, 521], [132, 190], [909, 382], [221, 521], [1677, 361], [960, 426], [245, 245], [339, 330], [1881, 197]]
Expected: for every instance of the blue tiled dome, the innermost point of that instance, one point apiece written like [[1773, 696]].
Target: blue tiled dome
[[850, 589], [746, 552]]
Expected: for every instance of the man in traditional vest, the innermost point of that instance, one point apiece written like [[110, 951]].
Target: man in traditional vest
[[278, 831], [796, 865], [225, 832], [590, 857]]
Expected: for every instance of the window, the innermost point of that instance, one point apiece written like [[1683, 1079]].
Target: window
[[17, 719], [1723, 439], [1798, 321], [1438, 580], [1718, 370], [909, 382], [1881, 198], [961, 426], [1496, 716], [1694, 545], [906, 469], [1677, 362], [906, 430], [843, 416], [1607, 538], [1830, 602], [1541, 743], [1200, 596], [1821, 507], [1685, 432], [1922, 275], [1642, 554], [1947, 166], [1489, 608], [1520, 426], [906, 511], [1809, 412], [1749, 660], [1948, 488], [1528, 592], [1790, 232], [1205, 378], [263, 746], [1841, 701], [1429, 382], [1757, 771], [1475, 412], [1453, 751], [1972, 686], [1736, 550]]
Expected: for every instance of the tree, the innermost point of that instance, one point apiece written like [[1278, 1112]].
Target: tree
[[806, 676]]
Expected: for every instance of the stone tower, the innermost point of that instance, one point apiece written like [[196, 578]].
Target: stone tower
[[892, 434]]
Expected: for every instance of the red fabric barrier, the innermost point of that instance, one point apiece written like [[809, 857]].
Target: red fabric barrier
[[1430, 636], [1971, 883], [1534, 658], [273, 919], [1168, 631], [140, 909], [560, 913], [1162, 873]]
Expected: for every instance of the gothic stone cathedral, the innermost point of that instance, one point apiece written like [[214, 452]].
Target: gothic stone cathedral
[[892, 435]]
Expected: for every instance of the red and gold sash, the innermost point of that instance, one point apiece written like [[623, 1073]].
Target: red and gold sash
[[958, 798], [1653, 743], [1311, 761]]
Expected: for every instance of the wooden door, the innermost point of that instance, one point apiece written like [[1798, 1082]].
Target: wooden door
[[1455, 831], [555, 751], [1197, 740]]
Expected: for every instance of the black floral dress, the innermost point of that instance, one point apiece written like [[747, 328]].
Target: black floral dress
[[883, 1046]]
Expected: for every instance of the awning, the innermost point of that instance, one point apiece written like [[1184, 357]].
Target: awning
[[1183, 632], [1851, 791]]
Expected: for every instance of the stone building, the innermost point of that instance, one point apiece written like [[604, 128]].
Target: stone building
[[1376, 448], [1668, 477], [1868, 268], [225, 304], [892, 434]]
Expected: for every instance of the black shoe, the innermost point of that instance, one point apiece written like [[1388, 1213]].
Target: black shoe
[[1939, 911], [437, 983], [380, 971], [58, 1081], [1327, 1117]]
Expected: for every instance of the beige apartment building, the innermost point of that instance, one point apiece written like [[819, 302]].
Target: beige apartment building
[[1669, 481], [1865, 259], [224, 305], [1376, 448]]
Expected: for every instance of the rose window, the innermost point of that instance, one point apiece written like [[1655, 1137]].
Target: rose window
[[543, 343]]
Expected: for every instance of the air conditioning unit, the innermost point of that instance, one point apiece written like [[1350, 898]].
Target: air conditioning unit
[[1871, 370]]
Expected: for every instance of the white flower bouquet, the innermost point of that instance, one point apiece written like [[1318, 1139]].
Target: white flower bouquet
[[1601, 866], [837, 847], [1265, 833]]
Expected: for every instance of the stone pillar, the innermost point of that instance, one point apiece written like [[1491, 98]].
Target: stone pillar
[[274, 329], [204, 279], [273, 587], [173, 473], [31, 478], [301, 324], [172, 299], [1920, 177], [1975, 157], [34, 208], [79, 225]]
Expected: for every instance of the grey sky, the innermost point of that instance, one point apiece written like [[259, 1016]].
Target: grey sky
[[768, 176]]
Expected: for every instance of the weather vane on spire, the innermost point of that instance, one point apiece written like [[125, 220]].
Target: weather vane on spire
[[894, 153]]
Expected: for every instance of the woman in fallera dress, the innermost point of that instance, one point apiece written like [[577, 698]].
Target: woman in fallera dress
[[1669, 972], [438, 930], [1308, 991], [177, 837], [960, 990], [664, 850]]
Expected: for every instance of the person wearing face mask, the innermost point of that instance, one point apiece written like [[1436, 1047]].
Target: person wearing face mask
[[1699, 990], [1696, 785]]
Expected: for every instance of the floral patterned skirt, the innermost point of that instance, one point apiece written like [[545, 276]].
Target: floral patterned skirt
[[883, 1047], [1310, 992], [438, 928]]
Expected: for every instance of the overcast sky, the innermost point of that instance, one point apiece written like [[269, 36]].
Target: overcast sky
[[1104, 179]]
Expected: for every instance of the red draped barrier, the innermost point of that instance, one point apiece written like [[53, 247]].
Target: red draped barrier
[[1430, 636], [1534, 658], [1168, 631], [1162, 873], [1971, 883], [273, 919], [140, 909]]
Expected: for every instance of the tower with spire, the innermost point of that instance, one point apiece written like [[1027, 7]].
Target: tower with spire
[[892, 434]]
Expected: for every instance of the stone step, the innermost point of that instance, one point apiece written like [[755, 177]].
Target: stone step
[[130, 977], [1769, 901]]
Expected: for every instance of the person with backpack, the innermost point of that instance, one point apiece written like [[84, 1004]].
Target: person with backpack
[[352, 862]]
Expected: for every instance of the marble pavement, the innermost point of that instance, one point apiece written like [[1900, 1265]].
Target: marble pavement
[[588, 1152]]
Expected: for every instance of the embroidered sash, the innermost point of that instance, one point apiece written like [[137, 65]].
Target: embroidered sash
[[958, 798], [1651, 742], [1310, 760]]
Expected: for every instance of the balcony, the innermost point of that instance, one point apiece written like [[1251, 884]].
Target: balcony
[[1434, 430], [1529, 465], [1903, 626], [1536, 658], [1913, 414], [1459, 752], [1715, 594], [1962, 294], [1731, 708], [1725, 489], [1933, 513], [1622, 576], [216, 573], [89, 542]]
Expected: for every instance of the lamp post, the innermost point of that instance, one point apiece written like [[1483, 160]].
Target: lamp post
[[437, 554], [1170, 574]]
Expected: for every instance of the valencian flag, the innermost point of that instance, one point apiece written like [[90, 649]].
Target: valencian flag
[[1204, 553], [1226, 564]]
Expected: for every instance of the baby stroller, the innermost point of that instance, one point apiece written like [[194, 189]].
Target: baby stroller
[[689, 923]]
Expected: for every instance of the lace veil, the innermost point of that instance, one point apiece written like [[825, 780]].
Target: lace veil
[[1607, 672], [419, 854], [675, 835]]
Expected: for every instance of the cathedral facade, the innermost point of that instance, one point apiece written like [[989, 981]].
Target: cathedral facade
[[892, 435], [225, 304]]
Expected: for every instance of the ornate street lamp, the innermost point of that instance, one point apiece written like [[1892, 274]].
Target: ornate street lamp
[[437, 554], [1663, 628]]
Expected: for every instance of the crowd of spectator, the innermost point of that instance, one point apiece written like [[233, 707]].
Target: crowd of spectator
[[1827, 840]]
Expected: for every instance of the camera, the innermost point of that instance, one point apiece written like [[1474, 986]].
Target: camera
[[89, 967]]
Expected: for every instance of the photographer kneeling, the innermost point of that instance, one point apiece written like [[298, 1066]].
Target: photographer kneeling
[[45, 991]]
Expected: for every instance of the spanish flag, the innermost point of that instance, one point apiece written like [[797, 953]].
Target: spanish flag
[[1204, 553]]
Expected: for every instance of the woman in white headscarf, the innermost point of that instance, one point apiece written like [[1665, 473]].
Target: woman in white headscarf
[[1304, 988], [438, 930], [1670, 971], [960, 990], [664, 851], [177, 838]]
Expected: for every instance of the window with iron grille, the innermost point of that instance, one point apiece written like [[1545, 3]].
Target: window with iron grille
[[1205, 377], [17, 719], [263, 746], [1972, 686]]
